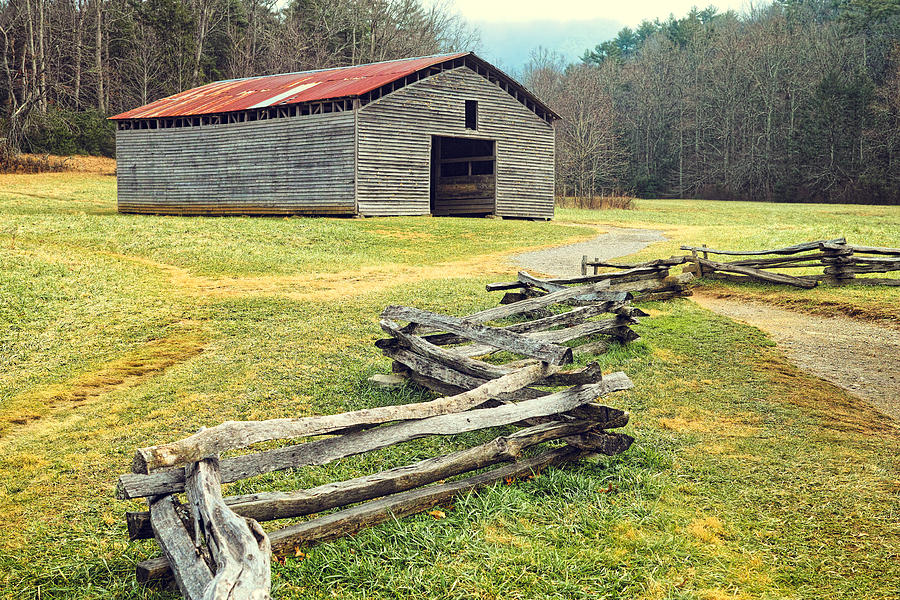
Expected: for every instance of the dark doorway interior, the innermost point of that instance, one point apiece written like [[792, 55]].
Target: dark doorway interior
[[463, 181]]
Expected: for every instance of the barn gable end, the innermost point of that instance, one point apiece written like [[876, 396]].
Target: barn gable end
[[395, 143]]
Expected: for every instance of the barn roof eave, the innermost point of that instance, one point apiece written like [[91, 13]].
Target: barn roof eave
[[237, 95]]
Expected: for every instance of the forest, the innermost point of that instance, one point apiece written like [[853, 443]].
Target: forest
[[67, 64], [796, 101]]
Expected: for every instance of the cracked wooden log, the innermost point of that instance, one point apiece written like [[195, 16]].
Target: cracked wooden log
[[425, 352], [617, 327], [497, 337], [191, 573], [425, 348], [865, 265], [239, 546], [611, 327], [640, 286], [321, 452], [565, 319], [660, 295], [618, 283], [240, 434], [531, 304], [530, 280], [758, 274], [504, 285], [599, 279], [804, 247], [435, 385], [603, 442], [779, 262], [874, 250], [526, 282], [659, 262], [268, 506], [426, 371], [354, 519]]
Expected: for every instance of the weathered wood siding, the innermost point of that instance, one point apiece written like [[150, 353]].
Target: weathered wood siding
[[394, 153], [465, 195], [301, 164]]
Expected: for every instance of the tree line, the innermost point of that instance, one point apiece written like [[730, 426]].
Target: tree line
[[67, 64], [798, 101]]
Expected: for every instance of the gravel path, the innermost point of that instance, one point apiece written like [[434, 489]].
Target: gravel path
[[565, 261], [857, 356], [861, 358]]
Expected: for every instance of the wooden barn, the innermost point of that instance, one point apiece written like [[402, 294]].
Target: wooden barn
[[441, 135]]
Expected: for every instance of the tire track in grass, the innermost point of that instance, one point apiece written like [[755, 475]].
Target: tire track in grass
[[135, 367], [322, 286]]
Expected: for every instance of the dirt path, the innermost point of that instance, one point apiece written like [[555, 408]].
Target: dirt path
[[564, 261], [857, 356], [861, 358]]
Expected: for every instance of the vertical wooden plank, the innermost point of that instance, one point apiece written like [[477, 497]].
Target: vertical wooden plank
[[191, 572], [239, 546]]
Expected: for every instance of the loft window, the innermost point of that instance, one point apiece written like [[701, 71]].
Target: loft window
[[471, 114]]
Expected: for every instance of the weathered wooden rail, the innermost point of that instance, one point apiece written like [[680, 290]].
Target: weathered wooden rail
[[841, 263], [214, 546], [644, 281]]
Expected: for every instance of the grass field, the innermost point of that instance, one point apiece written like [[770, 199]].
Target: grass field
[[748, 479]]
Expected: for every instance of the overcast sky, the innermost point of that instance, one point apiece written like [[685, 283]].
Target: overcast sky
[[627, 12], [511, 29]]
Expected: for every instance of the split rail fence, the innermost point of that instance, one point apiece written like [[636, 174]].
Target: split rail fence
[[214, 546], [645, 281], [841, 263]]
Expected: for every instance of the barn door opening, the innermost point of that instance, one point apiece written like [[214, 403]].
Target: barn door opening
[[463, 181]]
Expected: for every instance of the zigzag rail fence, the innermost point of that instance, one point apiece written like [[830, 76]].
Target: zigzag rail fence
[[214, 545], [841, 263]]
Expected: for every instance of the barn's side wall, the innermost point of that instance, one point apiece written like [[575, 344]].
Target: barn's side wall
[[296, 165], [394, 153]]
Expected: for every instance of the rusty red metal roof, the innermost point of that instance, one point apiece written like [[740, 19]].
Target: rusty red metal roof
[[288, 88]]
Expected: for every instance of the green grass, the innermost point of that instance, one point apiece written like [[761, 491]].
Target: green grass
[[763, 225], [84, 217], [747, 480]]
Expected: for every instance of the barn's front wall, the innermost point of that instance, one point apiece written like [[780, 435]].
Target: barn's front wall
[[395, 133], [302, 164]]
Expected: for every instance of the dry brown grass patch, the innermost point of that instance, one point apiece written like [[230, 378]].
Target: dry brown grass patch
[[837, 409], [696, 420], [717, 594], [132, 369], [499, 536], [30, 164], [707, 529], [617, 201], [322, 286]]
